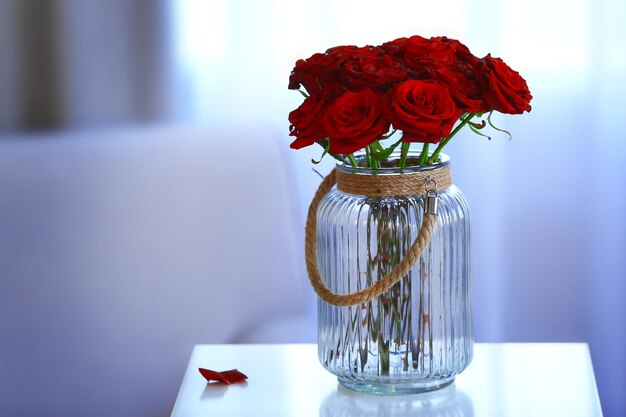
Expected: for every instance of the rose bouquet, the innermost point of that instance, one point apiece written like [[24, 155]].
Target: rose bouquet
[[357, 98], [387, 241]]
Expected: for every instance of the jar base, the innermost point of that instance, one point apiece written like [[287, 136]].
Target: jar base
[[396, 388]]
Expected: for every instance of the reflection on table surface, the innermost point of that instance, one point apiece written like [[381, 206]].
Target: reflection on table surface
[[446, 402]]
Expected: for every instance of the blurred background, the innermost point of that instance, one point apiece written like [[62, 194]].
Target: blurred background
[[149, 199]]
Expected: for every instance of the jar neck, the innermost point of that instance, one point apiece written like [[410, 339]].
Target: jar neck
[[390, 166], [389, 181]]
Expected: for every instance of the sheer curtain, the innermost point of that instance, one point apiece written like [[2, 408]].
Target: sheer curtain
[[547, 206], [83, 63]]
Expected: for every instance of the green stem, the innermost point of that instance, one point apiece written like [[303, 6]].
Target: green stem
[[376, 145], [371, 161], [424, 155], [352, 160], [435, 155], [404, 151]]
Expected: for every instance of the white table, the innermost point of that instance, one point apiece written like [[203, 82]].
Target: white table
[[503, 380]]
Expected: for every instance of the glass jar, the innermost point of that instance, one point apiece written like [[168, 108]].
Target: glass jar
[[418, 335]]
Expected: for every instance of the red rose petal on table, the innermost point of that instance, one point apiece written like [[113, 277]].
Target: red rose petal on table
[[233, 376], [227, 377]]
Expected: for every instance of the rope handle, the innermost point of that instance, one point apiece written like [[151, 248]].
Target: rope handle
[[384, 284]]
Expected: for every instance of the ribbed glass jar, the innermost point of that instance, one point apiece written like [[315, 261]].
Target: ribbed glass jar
[[417, 336]]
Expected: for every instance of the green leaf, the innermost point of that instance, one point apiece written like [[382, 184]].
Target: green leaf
[[376, 145], [480, 125], [321, 157], [498, 129], [389, 135], [304, 94], [325, 144], [475, 130], [384, 154]]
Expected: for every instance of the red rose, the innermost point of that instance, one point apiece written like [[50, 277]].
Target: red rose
[[418, 49], [462, 84], [320, 70], [503, 89], [306, 120], [413, 53], [343, 51], [371, 68], [423, 110], [395, 48], [450, 50], [354, 121], [422, 56]]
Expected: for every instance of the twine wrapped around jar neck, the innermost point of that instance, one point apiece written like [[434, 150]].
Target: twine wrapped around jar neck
[[394, 184]]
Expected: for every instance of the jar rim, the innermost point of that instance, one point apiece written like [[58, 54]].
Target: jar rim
[[444, 160]]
